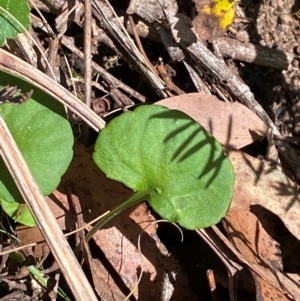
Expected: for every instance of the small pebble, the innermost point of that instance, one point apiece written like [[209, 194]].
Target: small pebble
[[274, 3], [297, 50], [285, 19], [295, 63]]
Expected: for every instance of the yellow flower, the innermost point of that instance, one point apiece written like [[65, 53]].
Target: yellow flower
[[223, 9]]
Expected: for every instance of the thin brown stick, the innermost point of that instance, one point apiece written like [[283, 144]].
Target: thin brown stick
[[139, 43], [87, 64], [78, 212]]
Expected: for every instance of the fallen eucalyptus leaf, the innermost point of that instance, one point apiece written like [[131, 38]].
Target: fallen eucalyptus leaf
[[232, 124], [258, 183]]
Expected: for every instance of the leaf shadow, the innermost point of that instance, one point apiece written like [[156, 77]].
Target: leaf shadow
[[284, 187], [289, 245], [254, 252], [185, 150]]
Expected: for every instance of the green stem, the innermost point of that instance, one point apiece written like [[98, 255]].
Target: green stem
[[37, 274], [137, 197]]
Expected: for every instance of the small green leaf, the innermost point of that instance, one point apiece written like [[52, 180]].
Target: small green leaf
[[19, 212], [10, 11], [169, 154], [45, 140], [44, 136]]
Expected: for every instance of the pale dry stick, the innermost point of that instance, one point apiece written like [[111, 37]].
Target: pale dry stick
[[87, 52], [94, 84], [58, 25], [25, 46], [212, 285], [70, 73], [87, 64], [3, 229], [49, 29], [32, 39], [131, 22], [19, 248], [87, 226], [77, 211], [54, 6], [196, 79], [120, 24], [15, 66], [39, 208]]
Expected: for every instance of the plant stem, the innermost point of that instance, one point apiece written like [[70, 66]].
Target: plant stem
[[137, 197]]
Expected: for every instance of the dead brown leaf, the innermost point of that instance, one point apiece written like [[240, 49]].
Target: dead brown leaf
[[266, 292], [59, 206], [232, 124], [258, 183], [262, 224], [263, 254]]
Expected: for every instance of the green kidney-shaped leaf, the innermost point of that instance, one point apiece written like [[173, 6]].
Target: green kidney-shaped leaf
[[169, 154], [10, 11], [45, 140]]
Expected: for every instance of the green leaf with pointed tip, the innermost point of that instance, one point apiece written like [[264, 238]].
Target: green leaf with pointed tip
[[10, 11], [169, 154]]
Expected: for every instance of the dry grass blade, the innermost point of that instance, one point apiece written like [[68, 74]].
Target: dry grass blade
[[47, 223]]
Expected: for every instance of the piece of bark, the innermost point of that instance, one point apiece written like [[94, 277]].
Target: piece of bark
[[255, 54], [49, 6]]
